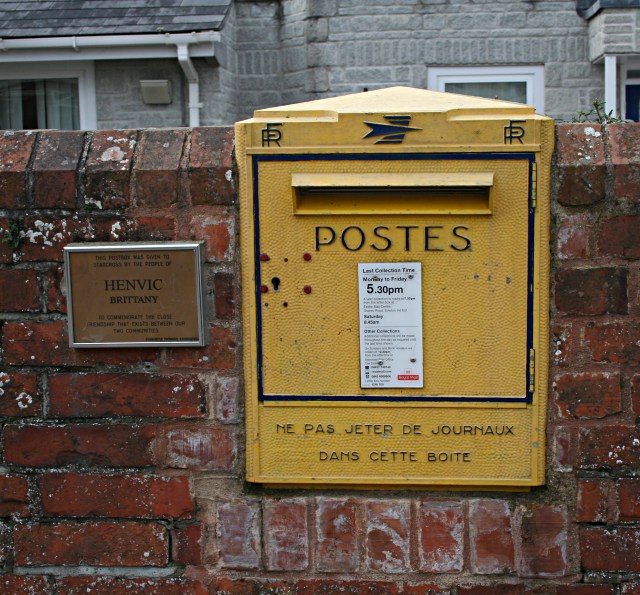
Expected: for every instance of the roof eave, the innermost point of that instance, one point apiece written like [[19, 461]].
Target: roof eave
[[108, 47]]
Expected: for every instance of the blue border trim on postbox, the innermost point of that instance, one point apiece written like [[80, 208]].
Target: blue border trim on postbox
[[257, 159]]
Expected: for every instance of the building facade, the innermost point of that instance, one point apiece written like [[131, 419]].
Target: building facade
[[208, 63]]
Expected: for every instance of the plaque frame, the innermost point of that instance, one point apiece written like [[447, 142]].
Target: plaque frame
[[199, 284]]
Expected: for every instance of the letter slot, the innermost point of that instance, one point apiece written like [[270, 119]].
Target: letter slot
[[392, 193]]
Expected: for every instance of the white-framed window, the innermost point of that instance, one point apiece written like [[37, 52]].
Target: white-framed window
[[48, 95], [523, 84]]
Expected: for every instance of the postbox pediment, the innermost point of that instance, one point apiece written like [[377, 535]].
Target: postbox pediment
[[396, 99]]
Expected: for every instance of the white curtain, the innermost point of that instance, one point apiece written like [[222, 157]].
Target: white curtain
[[56, 104], [61, 99], [10, 105]]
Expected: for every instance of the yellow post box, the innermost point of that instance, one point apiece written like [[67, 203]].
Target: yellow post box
[[395, 291]]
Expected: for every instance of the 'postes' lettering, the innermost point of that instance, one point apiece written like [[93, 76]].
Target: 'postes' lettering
[[432, 238]]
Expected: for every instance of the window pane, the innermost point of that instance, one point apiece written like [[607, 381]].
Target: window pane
[[62, 104], [507, 91], [10, 105], [48, 103]]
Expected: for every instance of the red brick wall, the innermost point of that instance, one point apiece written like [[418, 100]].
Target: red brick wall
[[121, 469]]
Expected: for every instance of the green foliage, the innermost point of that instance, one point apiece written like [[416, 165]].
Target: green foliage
[[597, 115], [12, 235]]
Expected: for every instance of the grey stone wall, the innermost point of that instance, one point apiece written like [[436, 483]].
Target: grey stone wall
[[259, 55], [298, 50], [287, 51], [119, 101], [228, 69], [614, 32]]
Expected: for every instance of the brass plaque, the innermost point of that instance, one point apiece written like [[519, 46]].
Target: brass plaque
[[132, 295]]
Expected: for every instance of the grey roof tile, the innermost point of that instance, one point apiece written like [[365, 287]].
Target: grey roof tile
[[37, 18]]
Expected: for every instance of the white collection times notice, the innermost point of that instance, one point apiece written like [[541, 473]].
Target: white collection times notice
[[390, 303]]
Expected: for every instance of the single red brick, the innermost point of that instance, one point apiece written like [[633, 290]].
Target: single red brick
[[115, 445], [510, 589], [24, 585], [35, 343], [220, 354], [388, 536], [15, 152], [543, 541], [592, 291], [616, 342], [107, 169], [620, 236], [140, 229], [227, 399], [196, 446], [441, 535], [152, 228], [19, 395], [580, 168], [625, 159], [604, 549], [238, 535], [14, 499], [252, 586], [608, 447], [423, 589], [563, 344], [210, 170], [6, 543], [19, 290], [635, 394], [588, 395], [563, 448], [593, 501], [356, 587], [544, 589], [628, 500], [217, 232], [116, 496], [54, 168], [224, 290], [186, 545], [581, 590], [114, 585], [573, 237], [94, 544], [44, 237], [491, 541], [156, 172], [201, 574], [337, 536], [109, 395], [6, 233], [56, 298], [286, 535]]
